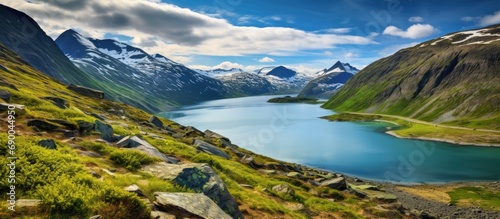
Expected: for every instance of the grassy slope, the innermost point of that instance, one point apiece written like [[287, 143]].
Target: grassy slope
[[427, 82], [61, 178]]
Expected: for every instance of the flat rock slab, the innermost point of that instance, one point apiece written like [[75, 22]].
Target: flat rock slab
[[210, 149], [193, 203]]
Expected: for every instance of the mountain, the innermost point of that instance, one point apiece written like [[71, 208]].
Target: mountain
[[282, 72], [247, 84], [454, 79], [156, 77], [329, 82], [214, 73]]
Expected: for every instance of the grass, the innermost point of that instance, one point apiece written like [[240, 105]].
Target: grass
[[289, 99], [477, 196]]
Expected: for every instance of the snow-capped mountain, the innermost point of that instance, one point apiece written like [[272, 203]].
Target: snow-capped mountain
[[155, 76], [215, 73], [329, 81]]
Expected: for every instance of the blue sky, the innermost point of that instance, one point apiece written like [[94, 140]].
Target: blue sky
[[305, 35]]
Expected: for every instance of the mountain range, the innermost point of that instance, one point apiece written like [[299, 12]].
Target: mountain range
[[452, 79]]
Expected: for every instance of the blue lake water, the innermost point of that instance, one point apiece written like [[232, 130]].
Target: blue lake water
[[294, 133]]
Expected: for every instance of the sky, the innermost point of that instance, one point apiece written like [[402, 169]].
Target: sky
[[305, 35]]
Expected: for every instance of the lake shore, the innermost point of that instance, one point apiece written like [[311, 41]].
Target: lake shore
[[443, 140]]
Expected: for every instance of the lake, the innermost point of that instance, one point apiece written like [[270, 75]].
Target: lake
[[294, 133]]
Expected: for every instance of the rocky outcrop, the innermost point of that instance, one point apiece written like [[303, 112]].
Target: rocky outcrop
[[136, 143], [199, 178], [105, 129], [189, 205], [59, 102], [43, 125], [209, 148], [85, 127], [48, 143], [89, 92], [156, 121], [335, 183], [283, 189]]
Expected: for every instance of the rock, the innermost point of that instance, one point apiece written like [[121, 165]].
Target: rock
[[192, 132], [295, 206], [335, 183], [199, 178], [209, 148], [162, 215], [96, 217], [7, 84], [86, 91], [246, 186], [269, 172], [48, 143], [67, 124], [124, 142], [85, 127], [155, 121], [105, 129], [100, 117], [372, 192], [357, 180], [95, 175], [225, 142], [69, 133], [294, 175], [5, 95], [16, 107], [89, 154], [43, 125], [249, 160], [59, 102], [137, 143], [189, 205], [283, 189], [134, 189]]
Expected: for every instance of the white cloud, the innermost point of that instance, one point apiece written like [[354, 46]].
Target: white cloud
[[266, 59], [177, 31], [416, 19], [350, 55], [469, 18], [328, 53], [228, 65], [490, 19], [413, 32], [338, 30]]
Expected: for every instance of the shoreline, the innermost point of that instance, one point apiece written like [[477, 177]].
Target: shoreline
[[392, 133]]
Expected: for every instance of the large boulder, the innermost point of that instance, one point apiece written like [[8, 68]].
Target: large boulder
[[69, 125], [283, 189], [198, 178], [5, 95], [85, 127], [209, 148], [191, 132], [136, 143], [156, 121], [59, 102], [335, 183], [87, 91], [189, 205], [105, 129]]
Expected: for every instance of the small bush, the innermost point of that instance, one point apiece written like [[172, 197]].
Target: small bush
[[130, 159]]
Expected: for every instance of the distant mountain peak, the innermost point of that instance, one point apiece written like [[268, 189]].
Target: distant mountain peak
[[70, 40], [282, 72], [341, 67]]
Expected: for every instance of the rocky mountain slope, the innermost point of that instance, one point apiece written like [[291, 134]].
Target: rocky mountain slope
[[155, 76], [453, 79], [329, 82]]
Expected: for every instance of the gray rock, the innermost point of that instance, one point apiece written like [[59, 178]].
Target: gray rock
[[335, 183], [134, 189], [100, 117], [89, 154], [85, 127], [5, 95], [69, 133], [105, 129], [191, 205], [96, 217], [199, 178], [211, 134], [210, 149], [65, 123], [59, 102], [155, 121], [193, 132], [162, 215], [249, 160], [43, 125], [124, 142], [137, 143], [283, 189], [48, 143], [86, 91]]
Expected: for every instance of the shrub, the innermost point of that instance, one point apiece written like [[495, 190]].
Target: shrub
[[130, 159]]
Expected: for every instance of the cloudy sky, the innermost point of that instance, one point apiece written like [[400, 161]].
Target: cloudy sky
[[305, 35]]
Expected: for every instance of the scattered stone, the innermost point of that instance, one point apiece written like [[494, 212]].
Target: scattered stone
[[86, 91], [100, 117], [48, 143], [283, 189], [210, 149], [67, 124], [269, 172], [59, 102], [96, 217], [124, 142], [335, 183], [43, 125], [85, 127], [246, 186], [357, 180], [199, 178], [134, 189], [156, 121], [189, 205], [89, 154], [295, 206], [69, 133], [192, 132], [162, 215], [105, 129], [249, 160], [5, 95], [137, 143], [95, 175], [294, 175]]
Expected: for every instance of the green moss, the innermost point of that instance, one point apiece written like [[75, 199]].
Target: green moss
[[477, 196], [130, 159]]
